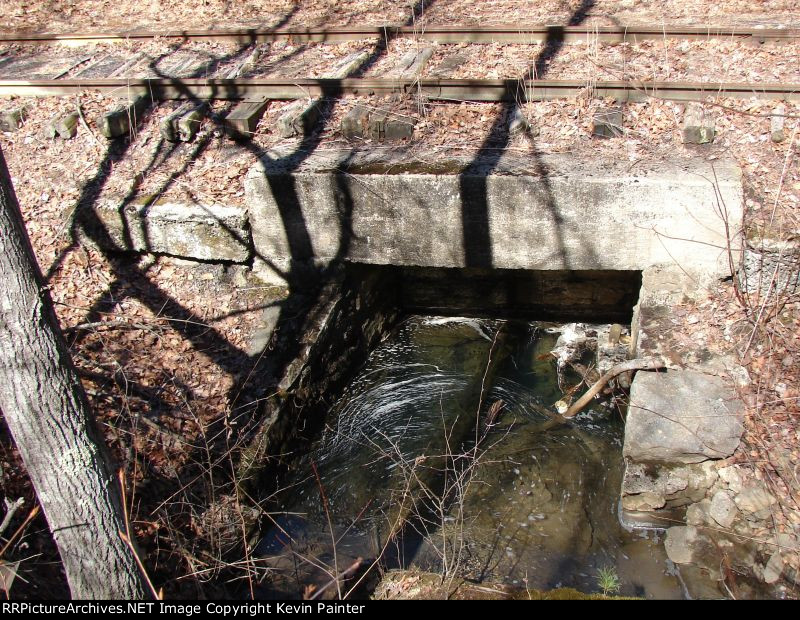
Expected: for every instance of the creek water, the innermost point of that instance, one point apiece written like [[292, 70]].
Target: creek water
[[442, 454]]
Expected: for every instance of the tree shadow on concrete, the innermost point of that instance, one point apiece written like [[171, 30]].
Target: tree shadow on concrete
[[475, 216], [304, 279]]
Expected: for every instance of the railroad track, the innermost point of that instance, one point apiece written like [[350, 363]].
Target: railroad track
[[220, 86], [439, 34], [252, 89]]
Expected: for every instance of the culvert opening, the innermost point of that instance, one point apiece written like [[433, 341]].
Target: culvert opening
[[598, 296], [443, 452]]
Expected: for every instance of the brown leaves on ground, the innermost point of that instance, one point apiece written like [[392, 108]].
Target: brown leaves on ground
[[64, 16]]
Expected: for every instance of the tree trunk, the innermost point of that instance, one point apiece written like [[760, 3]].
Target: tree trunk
[[46, 410]]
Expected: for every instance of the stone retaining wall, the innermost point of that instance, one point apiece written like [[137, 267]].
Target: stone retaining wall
[[333, 335], [683, 426]]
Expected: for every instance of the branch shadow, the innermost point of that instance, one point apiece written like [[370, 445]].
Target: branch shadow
[[131, 280], [475, 216]]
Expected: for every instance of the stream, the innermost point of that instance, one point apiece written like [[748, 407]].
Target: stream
[[403, 471]]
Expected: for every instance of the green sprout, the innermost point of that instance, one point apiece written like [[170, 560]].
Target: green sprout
[[608, 580]]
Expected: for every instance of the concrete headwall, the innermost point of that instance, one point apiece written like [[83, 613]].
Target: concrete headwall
[[556, 213]]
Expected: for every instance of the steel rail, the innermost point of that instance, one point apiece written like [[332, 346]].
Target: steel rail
[[435, 89], [441, 34]]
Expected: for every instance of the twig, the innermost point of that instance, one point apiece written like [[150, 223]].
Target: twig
[[126, 538], [83, 121], [787, 159], [343, 575], [31, 515], [483, 388], [722, 211], [757, 320], [330, 526], [11, 508], [250, 569], [155, 319], [639, 364], [120, 323], [356, 520]]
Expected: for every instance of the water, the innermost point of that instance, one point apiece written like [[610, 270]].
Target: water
[[515, 498]]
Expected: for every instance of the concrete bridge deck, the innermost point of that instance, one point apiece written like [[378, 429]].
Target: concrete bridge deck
[[556, 212]]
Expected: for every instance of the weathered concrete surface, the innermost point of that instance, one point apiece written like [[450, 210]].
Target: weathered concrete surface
[[681, 416], [213, 233], [661, 328], [770, 268], [582, 215]]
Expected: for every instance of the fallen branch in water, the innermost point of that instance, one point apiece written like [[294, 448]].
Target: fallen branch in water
[[640, 364]]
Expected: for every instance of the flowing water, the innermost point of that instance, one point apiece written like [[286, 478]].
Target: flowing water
[[505, 496]]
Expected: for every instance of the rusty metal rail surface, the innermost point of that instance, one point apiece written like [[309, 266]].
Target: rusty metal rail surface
[[441, 34], [436, 89]]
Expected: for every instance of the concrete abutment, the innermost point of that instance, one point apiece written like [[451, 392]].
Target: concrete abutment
[[553, 213]]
